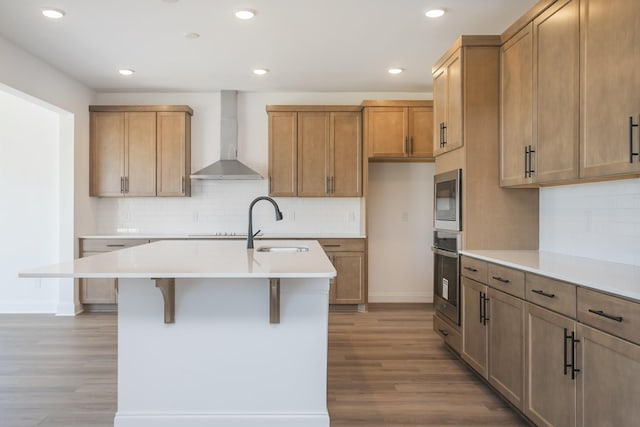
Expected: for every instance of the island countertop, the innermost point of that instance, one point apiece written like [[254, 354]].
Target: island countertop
[[197, 259]]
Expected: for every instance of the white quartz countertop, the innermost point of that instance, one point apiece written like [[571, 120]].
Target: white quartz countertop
[[610, 277], [197, 259], [204, 235]]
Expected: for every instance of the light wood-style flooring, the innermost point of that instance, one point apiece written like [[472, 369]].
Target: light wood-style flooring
[[386, 368]]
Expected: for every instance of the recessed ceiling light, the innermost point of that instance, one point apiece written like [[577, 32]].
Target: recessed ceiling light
[[395, 70], [434, 13], [126, 71], [245, 14], [191, 35], [260, 71], [53, 13]]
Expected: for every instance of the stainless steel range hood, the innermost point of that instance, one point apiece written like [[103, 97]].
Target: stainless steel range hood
[[228, 167]]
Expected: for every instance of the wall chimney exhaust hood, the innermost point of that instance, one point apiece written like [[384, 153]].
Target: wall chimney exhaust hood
[[228, 167]]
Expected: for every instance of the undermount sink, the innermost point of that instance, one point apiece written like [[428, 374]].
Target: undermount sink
[[283, 249]]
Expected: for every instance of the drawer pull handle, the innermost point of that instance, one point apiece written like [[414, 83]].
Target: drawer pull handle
[[115, 246], [331, 246], [500, 279], [473, 270], [608, 316], [543, 293], [444, 332]]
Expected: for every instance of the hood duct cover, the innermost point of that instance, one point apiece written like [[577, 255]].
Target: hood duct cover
[[228, 167]]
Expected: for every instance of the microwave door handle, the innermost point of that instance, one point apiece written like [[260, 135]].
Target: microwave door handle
[[444, 253]]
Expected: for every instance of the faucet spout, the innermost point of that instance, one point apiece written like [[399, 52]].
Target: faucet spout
[[256, 200]]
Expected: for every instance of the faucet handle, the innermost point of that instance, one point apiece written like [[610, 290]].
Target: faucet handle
[[256, 233]]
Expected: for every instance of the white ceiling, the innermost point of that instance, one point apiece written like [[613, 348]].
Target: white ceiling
[[308, 45]]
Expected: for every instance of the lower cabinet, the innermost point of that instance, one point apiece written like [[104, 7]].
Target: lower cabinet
[[493, 337], [102, 291], [564, 355], [551, 392], [348, 258], [608, 384]]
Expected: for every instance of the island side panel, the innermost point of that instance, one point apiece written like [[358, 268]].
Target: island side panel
[[222, 363]]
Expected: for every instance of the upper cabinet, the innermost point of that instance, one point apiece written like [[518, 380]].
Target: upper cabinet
[[539, 99], [398, 129], [569, 103], [140, 151], [315, 151], [447, 100], [610, 88]]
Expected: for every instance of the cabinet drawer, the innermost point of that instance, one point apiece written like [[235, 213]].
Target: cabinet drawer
[[474, 269], [611, 314], [507, 280], [449, 334], [552, 294], [108, 245], [342, 245]]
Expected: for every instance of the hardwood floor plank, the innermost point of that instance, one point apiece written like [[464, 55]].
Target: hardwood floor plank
[[387, 368]]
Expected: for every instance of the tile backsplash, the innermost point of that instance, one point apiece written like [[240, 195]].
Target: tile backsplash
[[596, 220], [222, 206]]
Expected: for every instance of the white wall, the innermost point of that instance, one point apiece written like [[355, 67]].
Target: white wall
[[222, 206], [400, 230], [29, 143], [28, 77], [597, 220]]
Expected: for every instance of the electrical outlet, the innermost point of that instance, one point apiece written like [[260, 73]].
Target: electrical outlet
[[352, 216], [405, 216], [195, 216]]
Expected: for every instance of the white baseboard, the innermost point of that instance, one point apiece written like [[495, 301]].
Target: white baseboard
[[221, 420], [22, 307], [68, 309], [398, 297]]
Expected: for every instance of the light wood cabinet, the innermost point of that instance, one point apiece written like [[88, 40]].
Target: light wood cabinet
[[551, 393], [505, 315], [173, 153], [315, 151], [283, 153], [493, 337], [139, 151], [448, 98], [398, 129], [539, 99], [102, 291], [474, 325], [608, 384], [349, 259], [516, 104], [609, 88]]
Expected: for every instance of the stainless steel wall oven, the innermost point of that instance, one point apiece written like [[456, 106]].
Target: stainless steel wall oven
[[446, 274]]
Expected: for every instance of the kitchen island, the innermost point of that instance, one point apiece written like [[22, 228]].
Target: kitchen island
[[213, 334]]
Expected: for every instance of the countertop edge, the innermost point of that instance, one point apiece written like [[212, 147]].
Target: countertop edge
[[623, 279]]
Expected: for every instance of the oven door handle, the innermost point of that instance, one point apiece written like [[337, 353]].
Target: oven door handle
[[439, 251]]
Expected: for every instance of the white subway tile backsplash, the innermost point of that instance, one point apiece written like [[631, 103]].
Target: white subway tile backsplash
[[595, 220], [217, 206]]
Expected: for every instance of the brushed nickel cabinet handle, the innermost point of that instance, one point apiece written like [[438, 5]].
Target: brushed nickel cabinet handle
[[183, 185]]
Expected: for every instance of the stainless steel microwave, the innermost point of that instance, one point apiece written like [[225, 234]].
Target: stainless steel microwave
[[447, 212]]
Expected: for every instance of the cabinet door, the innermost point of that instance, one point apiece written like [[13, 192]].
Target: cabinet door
[[550, 397], [453, 133], [439, 108], [474, 330], [556, 35], [313, 153], [174, 159], [348, 286], [346, 154], [283, 154], [516, 102], [98, 291], [387, 131], [506, 345], [608, 381], [420, 131], [140, 147], [610, 84], [107, 154]]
